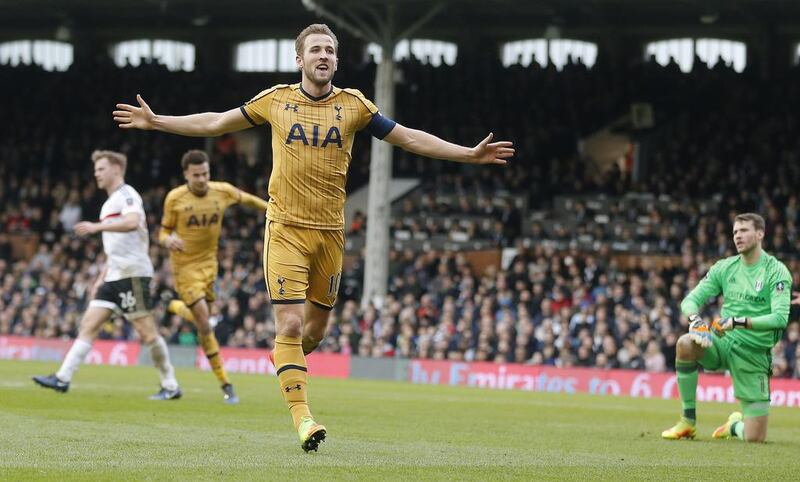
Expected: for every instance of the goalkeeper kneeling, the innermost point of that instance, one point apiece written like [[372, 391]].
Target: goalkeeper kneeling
[[756, 287]]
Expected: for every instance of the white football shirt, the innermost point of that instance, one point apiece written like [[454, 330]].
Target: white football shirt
[[126, 253]]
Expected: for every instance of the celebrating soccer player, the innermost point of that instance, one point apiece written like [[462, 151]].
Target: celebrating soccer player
[[756, 288], [313, 126], [124, 284], [190, 229]]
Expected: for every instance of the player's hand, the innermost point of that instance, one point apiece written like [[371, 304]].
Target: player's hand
[[85, 228], [698, 330], [719, 327], [488, 152], [133, 117], [174, 243]]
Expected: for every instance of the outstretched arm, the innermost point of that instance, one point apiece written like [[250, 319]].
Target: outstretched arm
[[428, 145], [206, 124], [251, 201]]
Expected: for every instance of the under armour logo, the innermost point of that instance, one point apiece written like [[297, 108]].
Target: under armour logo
[[338, 112], [296, 387], [281, 281], [293, 107]]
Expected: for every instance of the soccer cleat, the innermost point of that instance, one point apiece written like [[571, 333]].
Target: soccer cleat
[[52, 381], [174, 305], [228, 395], [311, 434], [724, 430], [165, 394], [681, 430]]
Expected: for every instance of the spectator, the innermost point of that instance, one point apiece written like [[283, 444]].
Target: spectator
[[71, 212]]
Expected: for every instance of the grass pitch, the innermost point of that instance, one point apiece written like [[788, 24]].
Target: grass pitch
[[105, 428]]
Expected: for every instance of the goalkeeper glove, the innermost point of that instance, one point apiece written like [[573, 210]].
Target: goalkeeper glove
[[698, 330], [719, 327]]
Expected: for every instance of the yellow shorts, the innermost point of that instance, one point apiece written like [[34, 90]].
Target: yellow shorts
[[194, 283], [302, 264]]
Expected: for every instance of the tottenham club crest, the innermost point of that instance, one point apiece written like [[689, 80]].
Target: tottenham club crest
[[281, 281], [759, 285], [780, 286]]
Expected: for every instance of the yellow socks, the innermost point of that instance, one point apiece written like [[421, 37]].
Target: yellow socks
[[211, 349], [290, 364], [209, 343], [181, 309]]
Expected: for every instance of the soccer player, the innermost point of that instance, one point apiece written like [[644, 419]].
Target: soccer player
[[190, 229], [756, 288], [313, 126], [124, 284]]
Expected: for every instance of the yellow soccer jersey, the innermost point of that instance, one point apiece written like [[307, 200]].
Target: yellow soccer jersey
[[312, 141], [197, 220]]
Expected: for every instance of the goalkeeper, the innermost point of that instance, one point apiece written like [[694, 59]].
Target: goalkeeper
[[756, 288]]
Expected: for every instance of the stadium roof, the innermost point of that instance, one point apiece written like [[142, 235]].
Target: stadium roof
[[500, 19]]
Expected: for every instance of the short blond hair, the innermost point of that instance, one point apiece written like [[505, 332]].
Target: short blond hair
[[113, 157], [320, 28]]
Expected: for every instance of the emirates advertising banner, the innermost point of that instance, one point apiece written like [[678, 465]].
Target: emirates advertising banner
[[104, 352], [256, 361], [710, 387]]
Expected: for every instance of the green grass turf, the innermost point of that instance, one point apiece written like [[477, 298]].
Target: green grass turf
[[105, 428]]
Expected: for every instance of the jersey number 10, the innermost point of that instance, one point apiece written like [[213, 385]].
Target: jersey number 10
[[333, 285]]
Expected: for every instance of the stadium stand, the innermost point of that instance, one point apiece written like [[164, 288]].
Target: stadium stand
[[569, 298]]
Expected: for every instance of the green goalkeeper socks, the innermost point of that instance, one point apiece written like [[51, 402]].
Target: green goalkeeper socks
[[687, 387], [737, 430]]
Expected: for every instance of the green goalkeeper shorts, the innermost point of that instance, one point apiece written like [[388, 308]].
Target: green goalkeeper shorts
[[749, 367]]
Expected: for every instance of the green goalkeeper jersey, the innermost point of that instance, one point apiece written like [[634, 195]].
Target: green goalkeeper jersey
[[761, 292]]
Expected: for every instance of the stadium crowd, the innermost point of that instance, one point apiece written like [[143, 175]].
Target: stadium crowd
[[558, 307], [548, 307]]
